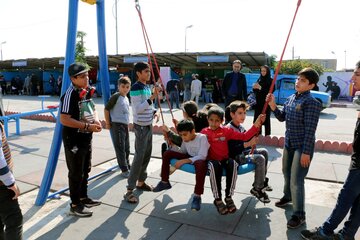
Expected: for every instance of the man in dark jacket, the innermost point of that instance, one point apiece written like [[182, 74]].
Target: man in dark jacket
[[234, 85]]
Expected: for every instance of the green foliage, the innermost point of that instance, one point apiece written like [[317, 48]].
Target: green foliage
[[272, 61], [295, 66], [80, 49]]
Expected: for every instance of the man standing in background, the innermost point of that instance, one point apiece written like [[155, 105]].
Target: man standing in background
[[234, 85]]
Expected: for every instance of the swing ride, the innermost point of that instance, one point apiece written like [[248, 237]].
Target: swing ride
[[104, 76]]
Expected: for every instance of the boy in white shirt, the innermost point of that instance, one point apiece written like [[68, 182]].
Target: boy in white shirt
[[193, 150]]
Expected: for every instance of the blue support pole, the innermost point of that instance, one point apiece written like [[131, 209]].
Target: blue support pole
[[56, 143], [103, 61]]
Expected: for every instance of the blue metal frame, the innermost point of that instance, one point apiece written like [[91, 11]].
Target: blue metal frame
[[69, 59]]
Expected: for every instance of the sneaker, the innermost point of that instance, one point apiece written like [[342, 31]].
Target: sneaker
[[295, 221], [125, 174], [79, 211], [282, 202], [260, 194], [316, 233], [162, 186], [196, 203], [88, 202], [340, 236]]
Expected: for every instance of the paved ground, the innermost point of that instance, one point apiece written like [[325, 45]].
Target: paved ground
[[164, 215]]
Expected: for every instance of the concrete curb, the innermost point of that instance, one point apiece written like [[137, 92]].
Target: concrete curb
[[275, 141]]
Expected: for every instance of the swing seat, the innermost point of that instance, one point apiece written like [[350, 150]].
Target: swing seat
[[190, 168]]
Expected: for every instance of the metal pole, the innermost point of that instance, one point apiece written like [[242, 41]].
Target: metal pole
[[1, 44], [116, 26]]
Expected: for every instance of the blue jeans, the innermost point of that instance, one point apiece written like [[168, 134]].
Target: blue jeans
[[120, 138], [348, 199], [294, 176]]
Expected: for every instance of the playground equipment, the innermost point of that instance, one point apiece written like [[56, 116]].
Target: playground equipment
[[69, 59]]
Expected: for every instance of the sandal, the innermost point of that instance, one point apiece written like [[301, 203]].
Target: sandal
[[145, 187], [130, 197], [221, 208], [230, 205]]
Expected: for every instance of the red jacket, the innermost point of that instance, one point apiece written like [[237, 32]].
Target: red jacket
[[218, 140]]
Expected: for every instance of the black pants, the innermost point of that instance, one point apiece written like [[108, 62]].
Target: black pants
[[215, 174], [78, 161], [11, 218], [258, 110]]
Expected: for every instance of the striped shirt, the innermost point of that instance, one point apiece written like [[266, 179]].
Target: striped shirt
[[6, 164], [301, 113], [143, 111]]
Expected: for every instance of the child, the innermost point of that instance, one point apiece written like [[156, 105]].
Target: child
[[80, 120], [116, 114], [239, 149], [349, 196], [301, 112], [190, 111], [194, 149], [11, 218], [143, 114], [218, 156]]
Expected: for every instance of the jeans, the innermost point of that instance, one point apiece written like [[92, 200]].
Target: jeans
[[143, 148], [200, 169], [120, 138], [78, 161], [11, 219], [174, 97], [348, 199], [294, 176], [260, 159]]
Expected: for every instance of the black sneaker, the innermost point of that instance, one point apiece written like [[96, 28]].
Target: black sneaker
[[79, 211], [162, 186], [283, 202], [88, 202], [341, 236], [260, 194], [316, 233], [295, 221]]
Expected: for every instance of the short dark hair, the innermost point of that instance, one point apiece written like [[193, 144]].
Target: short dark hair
[[233, 107], [357, 65], [124, 80], [185, 125], [310, 74], [216, 111], [190, 107], [140, 66]]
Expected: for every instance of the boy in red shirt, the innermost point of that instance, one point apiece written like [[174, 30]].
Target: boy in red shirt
[[218, 156]]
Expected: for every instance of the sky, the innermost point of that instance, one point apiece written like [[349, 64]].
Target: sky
[[323, 28]]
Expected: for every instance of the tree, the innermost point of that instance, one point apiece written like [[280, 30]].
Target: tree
[[295, 66], [80, 48]]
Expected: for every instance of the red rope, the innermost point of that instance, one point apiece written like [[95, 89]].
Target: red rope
[[279, 65], [148, 45], [281, 58]]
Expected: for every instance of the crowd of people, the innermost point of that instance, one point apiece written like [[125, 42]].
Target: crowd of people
[[202, 139]]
